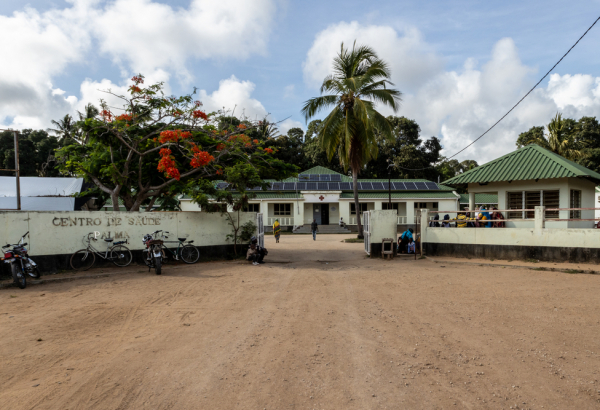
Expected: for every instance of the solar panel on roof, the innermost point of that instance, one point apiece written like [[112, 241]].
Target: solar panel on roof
[[303, 177], [322, 186], [410, 185], [314, 177], [345, 186], [377, 186], [336, 177], [300, 186], [222, 185], [277, 186], [311, 186], [432, 186], [365, 186], [324, 177], [398, 186], [421, 185], [385, 185], [334, 186], [289, 186]]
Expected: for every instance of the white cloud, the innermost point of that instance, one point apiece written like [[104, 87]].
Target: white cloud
[[410, 58], [285, 125], [139, 35], [289, 91], [458, 106], [146, 35], [231, 95]]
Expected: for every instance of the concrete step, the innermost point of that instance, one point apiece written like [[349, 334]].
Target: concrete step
[[323, 229]]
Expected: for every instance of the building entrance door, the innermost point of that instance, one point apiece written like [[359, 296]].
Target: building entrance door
[[324, 214], [317, 213]]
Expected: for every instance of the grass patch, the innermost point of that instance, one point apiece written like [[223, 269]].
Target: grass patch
[[354, 240], [573, 271], [13, 296], [540, 268]]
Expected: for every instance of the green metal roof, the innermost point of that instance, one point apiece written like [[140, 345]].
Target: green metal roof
[[401, 195], [527, 163], [319, 170], [480, 199]]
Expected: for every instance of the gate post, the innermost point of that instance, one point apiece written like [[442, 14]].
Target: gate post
[[261, 230], [424, 226]]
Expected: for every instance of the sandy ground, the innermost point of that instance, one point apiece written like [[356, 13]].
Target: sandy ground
[[329, 330]]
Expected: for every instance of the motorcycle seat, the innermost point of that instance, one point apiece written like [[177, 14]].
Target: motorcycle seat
[[108, 239]]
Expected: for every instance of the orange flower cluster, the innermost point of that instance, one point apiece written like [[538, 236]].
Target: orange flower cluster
[[200, 114], [244, 139], [198, 103], [268, 150], [173, 136], [242, 127], [124, 117], [201, 158], [219, 172], [106, 115], [135, 89], [255, 141], [167, 164], [220, 147], [137, 80]]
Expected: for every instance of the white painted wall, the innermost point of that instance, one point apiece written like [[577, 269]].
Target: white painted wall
[[53, 233], [383, 225]]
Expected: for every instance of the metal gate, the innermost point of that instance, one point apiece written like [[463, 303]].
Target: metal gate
[[367, 231], [261, 230]]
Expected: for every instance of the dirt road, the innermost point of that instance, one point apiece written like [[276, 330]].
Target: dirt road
[[329, 330]]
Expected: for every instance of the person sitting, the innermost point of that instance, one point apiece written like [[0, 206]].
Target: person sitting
[[255, 253], [434, 223], [446, 222], [404, 239], [410, 247], [497, 216], [461, 220], [342, 223]]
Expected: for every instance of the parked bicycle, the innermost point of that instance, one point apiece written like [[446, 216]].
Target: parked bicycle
[[118, 254], [20, 262], [188, 253], [153, 254]]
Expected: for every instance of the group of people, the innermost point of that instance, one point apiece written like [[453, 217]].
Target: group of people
[[472, 219], [406, 242]]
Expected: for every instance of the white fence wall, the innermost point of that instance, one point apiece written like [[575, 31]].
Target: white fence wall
[[55, 233]]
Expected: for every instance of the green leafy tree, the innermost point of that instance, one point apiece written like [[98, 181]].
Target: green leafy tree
[[560, 138], [241, 177], [36, 153], [587, 134], [158, 146], [359, 81]]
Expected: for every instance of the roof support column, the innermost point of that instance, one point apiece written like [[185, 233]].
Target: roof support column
[[471, 201]]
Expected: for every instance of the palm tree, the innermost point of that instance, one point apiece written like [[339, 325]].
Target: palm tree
[[359, 80], [66, 129], [558, 140]]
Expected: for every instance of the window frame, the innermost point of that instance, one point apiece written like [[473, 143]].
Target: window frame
[[575, 202], [362, 205], [252, 206], [282, 209]]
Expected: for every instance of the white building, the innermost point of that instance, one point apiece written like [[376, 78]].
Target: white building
[[326, 196]]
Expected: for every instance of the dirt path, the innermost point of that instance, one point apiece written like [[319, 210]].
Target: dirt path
[[330, 330]]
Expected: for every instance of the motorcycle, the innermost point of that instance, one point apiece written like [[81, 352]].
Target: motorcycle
[[153, 254], [20, 262]]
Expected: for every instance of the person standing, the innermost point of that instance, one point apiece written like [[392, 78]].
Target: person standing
[[313, 228], [276, 230]]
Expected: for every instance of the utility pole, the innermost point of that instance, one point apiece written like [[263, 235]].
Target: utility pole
[[16, 170]]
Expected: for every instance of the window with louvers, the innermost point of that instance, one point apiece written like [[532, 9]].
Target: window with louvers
[[575, 203], [532, 199], [515, 201], [551, 199]]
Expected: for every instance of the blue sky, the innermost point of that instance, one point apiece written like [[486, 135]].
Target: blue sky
[[460, 64]]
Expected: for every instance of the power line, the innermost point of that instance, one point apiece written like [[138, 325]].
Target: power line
[[513, 107]]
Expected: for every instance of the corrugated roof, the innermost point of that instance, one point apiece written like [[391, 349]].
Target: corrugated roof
[[319, 170], [401, 195], [527, 163], [480, 199]]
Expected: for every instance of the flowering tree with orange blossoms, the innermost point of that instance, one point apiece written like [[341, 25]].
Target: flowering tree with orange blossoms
[[156, 146]]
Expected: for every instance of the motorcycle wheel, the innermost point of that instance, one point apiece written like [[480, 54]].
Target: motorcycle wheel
[[157, 265], [18, 276]]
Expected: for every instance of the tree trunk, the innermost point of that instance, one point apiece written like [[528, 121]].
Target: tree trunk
[[115, 200], [356, 203]]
